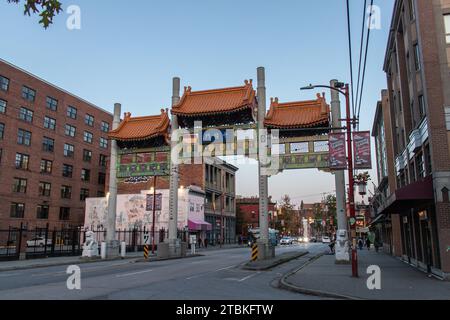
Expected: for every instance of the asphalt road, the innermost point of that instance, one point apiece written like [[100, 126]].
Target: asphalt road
[[215, 276]]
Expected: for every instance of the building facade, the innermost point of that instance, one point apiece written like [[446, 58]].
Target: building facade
[[53, 152], [247, 214], [418, 95]]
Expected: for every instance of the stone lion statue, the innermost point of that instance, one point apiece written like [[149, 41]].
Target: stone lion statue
[[90, 247]]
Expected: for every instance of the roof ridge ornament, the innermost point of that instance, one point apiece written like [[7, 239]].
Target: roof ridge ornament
[[188, 89]]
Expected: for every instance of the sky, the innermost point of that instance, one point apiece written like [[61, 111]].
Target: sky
[[128, 52]]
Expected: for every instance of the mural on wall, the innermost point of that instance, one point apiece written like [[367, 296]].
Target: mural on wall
[[131, 211]]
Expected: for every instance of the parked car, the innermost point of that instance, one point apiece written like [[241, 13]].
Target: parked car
[[38, 242], [326, 239], [313, 239], [286, 240]]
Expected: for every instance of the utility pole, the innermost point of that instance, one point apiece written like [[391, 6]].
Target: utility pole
[[342, 252], [154, 209]]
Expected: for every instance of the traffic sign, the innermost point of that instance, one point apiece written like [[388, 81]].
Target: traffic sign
[[352, 221]]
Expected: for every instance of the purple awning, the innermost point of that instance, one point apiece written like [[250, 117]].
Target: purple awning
[[199, 225]]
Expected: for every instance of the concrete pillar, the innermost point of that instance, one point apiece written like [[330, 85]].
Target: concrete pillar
[[265, 250], [173, 245], [113, 245], [342, 249]]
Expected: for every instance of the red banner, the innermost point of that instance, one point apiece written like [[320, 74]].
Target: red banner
[[337, 156], [362, 151]]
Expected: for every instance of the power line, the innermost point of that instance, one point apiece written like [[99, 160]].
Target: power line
[[365, 59], [361, 49], [350, 53]]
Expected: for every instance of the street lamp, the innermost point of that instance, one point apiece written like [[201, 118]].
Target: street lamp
[[344, 89]]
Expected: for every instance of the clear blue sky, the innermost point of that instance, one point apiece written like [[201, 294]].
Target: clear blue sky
[[128, 52]]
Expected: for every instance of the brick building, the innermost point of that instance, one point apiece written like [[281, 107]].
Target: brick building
[[53, 151], [414, 197], [247, 214]]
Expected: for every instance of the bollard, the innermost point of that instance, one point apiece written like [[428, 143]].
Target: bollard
[[254, 256], [123, 249], [103, 250], [146, 247]]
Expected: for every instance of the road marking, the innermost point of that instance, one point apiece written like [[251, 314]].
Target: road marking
[[205, 273], [132, 273], [9, 275], [83, 269], [248, 277]]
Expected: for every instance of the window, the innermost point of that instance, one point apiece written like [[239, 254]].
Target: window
[[45, 189], [105, 126], [102, 160], [28, 94], [42, 212], [68, 150], [100, 194], [420, 166], [85, 175], [20, 185], [87, 155], [87, 137], [24, 137], [103, 143], [70, 130], [49, 123], [48, 144], [412, 9], [89, 120], [22, 161], [26, 114], [46, 166], [422, 111], [447, 28], [17, 210], [3, 104], [84, 193], [101, 178], [67, 171], [72, 112], [4, 83], [64, 213], [52, 103], [66, 192], [428, 160], [416, 57], [2, 130], [447, 119]]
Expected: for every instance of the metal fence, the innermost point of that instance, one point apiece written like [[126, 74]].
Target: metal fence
[[46, 242]]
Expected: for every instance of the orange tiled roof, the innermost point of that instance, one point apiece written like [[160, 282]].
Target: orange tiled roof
[[208, 102], [141, 128], [301, 114]]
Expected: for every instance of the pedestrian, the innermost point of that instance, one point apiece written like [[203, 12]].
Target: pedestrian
[[368, 243], [199, 242], [206, 243], [360, 244], [377, 245], [331, 245]]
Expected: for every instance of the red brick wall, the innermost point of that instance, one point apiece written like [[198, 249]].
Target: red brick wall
[[9, 148]]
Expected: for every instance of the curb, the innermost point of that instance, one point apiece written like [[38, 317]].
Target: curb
[[56, 264], [276, 263], [284, 284]]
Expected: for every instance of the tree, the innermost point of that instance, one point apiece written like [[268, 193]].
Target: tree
[[288, 214], [46, 9]]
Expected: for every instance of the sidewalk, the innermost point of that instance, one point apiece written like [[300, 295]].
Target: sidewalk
[[399, 281], [59, 261]]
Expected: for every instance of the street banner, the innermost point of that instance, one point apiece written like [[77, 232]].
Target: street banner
[[361, 146], [337, 156], [149, 202]]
